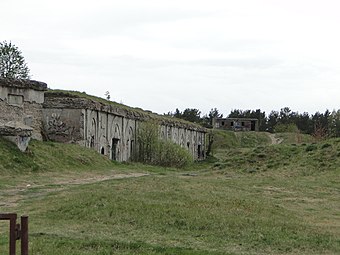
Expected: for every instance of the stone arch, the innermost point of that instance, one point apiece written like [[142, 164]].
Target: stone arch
[[194, 146], [130, 143], [175, 136], [169, 133], [115, 143], [93, 133], [182, 141]]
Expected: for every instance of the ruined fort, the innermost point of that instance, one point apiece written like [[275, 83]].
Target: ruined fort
[[30, 111]]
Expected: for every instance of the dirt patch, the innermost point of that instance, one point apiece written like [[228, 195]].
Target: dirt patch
[[10, 197], [274, 139], [98, 178]]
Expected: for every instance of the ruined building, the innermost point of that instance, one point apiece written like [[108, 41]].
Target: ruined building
[[237, 124], [29, 110]]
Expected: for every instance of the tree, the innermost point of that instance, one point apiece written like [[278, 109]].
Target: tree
[[12, 63], [177, 114], [334, 123], [192, 115], [305, 123], [107, 95], [208, 119], [272, 120], [214, 113]]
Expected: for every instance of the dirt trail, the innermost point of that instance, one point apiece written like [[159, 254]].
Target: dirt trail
[[274, 139], [10, 196]]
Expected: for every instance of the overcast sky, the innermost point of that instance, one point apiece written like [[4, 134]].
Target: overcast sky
[[162, 55]]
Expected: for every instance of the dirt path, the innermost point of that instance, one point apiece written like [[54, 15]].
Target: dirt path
[[10, 196], [274, 139]]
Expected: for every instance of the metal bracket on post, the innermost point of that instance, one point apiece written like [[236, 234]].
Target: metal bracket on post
[[17, 232]]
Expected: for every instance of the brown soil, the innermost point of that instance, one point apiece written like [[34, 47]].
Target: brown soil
[[10, 196]]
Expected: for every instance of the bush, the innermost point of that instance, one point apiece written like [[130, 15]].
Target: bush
[[170, 154], [286, 128], [148, 137], [326, 145], [153, 150], [311, 147]]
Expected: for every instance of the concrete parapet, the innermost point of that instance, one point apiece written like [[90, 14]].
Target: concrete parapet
[[17, 133]]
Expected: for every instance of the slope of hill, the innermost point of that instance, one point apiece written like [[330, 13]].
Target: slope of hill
[[293, 153], [304, 159], [255, 199], [228, 139], [48, 156]]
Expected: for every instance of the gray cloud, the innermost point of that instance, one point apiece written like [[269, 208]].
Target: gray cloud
[[184, 54]]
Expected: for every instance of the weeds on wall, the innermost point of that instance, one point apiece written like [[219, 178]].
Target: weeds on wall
[[155, 151]]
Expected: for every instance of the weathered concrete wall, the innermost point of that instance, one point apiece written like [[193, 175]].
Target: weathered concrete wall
[[237, 124], [110, 130], [17, 96], [63, 125], [17, 133], [191, 139], [111, 135], [21, 100]]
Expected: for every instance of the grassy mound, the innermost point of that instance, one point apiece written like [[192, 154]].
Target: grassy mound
[[294, 138], [224, 139], [228, 139], [264, 199], [49, 156], [303, 159]]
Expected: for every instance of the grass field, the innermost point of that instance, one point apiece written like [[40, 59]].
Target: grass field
[[249, 199]]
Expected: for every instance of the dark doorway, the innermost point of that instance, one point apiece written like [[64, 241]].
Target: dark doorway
[[102, 151], [92, 142], [132, 149], [199, 151], [114, 153], [253, 125]]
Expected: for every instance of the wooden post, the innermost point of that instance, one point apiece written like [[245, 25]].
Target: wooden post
[[24, 235]]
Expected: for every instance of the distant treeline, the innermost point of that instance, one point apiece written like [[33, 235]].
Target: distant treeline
[[285, 120]]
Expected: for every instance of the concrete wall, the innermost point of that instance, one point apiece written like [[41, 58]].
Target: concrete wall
[[16, 96], [110, 131], [21, 101], [192, 140], [110, 134], [63, 125], [237, 124]]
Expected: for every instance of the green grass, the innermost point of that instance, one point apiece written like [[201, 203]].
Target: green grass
[[49, 156], [303, 159], [265, 199], [175, 214], [228, 139], [251, 139], [224, 139], [294, 138]]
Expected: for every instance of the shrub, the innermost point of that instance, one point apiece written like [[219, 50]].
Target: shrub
[[326, 145], [148, 137], [311, 147], [170, 154], [286, 128], [153, 150]]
